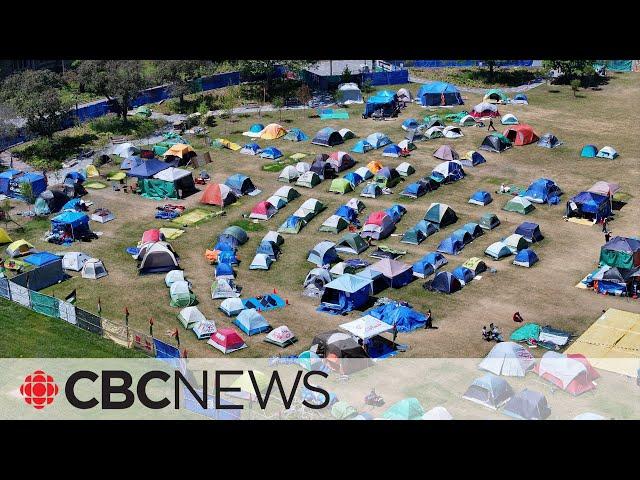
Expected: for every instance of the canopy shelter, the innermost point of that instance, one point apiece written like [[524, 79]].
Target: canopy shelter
[[439, 94], [589, 205], [147, 168], [70, 225], [345, 293], [181, 179], [398, 274], [621, 252], [366, 327]]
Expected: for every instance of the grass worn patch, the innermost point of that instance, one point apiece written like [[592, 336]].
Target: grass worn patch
[[248, 225]]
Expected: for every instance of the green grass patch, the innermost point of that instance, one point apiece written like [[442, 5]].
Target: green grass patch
[[248, 225], [277, 166], [480, 77], [51, 152], [26, 334], [497, 180], [136, 126]]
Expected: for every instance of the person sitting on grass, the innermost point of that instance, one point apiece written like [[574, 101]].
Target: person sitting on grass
[[495, 333], [517, 317], [485, 334]]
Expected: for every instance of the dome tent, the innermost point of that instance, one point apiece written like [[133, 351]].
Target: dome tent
[[231, 307], [509, 359], [445, 282], [485, 110], [204, 329], [450, 245], [291, 225], [94, 269], [308, 180], [608, 153], [526, 258], [362, 147], [340, 161], [378, 140], [349, 93], [439, 94], [405, 169], [240, 184], [346, 134], [472, 159], [490, 391], [527, 405], [446, 152], [254, 131], [236, 232], [498, 250], [496, 142], [520, 99], [351, 243], [288, 193], [226, 340], [251, 149], [404, 95], [323, 253], [509, 119], [467, 121], [549, 140], [296, 135], [327, 137], [261, 261], [410, 124], [173, 276], [519, 205], [496, 95], [543, 190], [530, 231], [440, 214], [271, 249], [181, 295], [464, 274], [489, 221], [379, 225], [354, 179], [251, 322], [449, 171], [263, 211], [406, 409], [452, 132], [476, 265], [589, 151], [74, 261], [281, 336], [333, 224], [289, 174], [273, 131], [271, 153], [371, 190], [521, 134], [481, 198], [190, 316]]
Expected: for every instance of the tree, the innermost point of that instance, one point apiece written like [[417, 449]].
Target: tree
[[118, 80], [491, 64], [26, 192], [346, 75], [265, 70], [181, 75], [575, 85], [278, 102], [570, 69], [35, 95]]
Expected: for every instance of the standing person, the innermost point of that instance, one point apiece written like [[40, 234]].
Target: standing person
[[485, 334], [607, 236], [604, 225], [491, 127], [395, 332], [517, 317]]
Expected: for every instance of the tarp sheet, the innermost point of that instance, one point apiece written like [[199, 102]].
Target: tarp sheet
[[157, 189], [20, 294], [4, 288], [67, 312], [88, 321], [164, 350], [45, 304]]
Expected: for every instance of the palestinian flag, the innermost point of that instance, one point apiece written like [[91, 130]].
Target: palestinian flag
[[71, 298]]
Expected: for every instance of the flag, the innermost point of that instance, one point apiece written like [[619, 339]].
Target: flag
[[99, 307], [71, 298], [151, 326], [126, 316], [176, 334]]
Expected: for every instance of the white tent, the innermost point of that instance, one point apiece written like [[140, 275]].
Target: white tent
[[232, 306], [190, 316], [288, 174], [224, 288], [349, 93], [261, 261], [509, 359], [281, 336], [437, 413], [277, 202], [366, 327], [303, 167], [94, 269], [172, 174], [273, 236], [125, 150], [74, 261], [452, 132], [204, 329], [173, 276]]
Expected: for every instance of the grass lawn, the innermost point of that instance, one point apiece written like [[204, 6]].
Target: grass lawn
[[545, 294], [27, 334], [479, 77]]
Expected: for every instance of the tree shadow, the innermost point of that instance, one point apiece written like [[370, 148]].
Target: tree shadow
[[502, 76], [554, 91]]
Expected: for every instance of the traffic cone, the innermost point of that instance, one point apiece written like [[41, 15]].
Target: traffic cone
[[275, 290], [287, 301]]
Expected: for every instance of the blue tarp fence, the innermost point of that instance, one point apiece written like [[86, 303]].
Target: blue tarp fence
[[458, 63]]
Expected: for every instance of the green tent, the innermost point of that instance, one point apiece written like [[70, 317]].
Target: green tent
[[340, 185], [343, 411], [413, 236], [496, 95], [181, 296], [456, 117], [143, 111], [157, 189], [407, 409], [352, 243], [160, 148], [333, 224], [525, 332], [519, 205], [45, 304]]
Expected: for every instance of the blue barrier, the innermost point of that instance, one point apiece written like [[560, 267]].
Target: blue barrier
[[458, 63]]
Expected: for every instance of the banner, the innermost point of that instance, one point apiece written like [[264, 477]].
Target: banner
[[4, 288], [88, 321], [142, 341], [116, 333], [67, 312], [45, 304], [20, 294]]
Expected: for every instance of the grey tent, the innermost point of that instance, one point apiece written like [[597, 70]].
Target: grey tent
[[352, 243], [315, 281], [527, 405], [327, 137], [333, 224], [549, 140], [238, 233], [490, 391], [446, 152]]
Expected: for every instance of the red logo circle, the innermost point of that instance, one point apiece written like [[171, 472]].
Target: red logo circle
[[39, 389]]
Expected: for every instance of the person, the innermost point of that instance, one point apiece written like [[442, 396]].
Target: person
[[517, 317], [485, 333], [604, 225], [428, 321], [497, 336], [395, 332], [607, 236], [491, 127]]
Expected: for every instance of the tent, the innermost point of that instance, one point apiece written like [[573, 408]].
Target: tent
[[50, 201], [273, 131], [527, 405], [608, 153], [251, 149], [515, 242], [387, 177], [327, 137], [296, 135], [439, 94], [404, 95], [371, 190], [148, 168], [315, 281], [346, 212], [530, 231], [433, 133], [313, 206], [451, 245], [376, 279], [277, 202], [520, 99], [356, 204], [405, 169], [4, 236], [346, 134], [449, 171], [204, 329], [495, 142], [351, 243], [292, 224], [240, 184], [385, 102], [498, 250], [125, 150], [446, 152], [490, 391], [366, 327], [441, 214], [74, 261], [374, 166], [224, 288], [589, 205], [406, 409], [396, 212], [218, 194], [271, 153], [509, 119], [281, 336], [423, 268], [345, 293], [340, 161], [496, 95], [437, 413], [254, 130], [362, 147], [157, 257], [354, 179], [181, 295], [410, 124], [415, 190], [323, 253], [263, 211], [251, 322], [180, 150], [19, 248], [349, 93], [236, 232], [182, 180], [308, 180], [74, 224], [333, 224], [467, 121], [572, 372], [261, 261], [11, 180], [378, 140], [378, 225], [445, 282], [398, 274], [489, 221], [226, 340], [476, 265], [604, 188], [271, 249], [94, 269], [288, 193], [525, 258], [464, 274], [189, 317], [302, 167], [481, 197], [393, 151], [589, 151], [224, 271], [549, 140], [543, 190], [472, 159], [618, 252], [526, 332], [340, 185], [173, 276], [231, 307], [452, 132], [437, 260], [509, 359], [485, 110], [464, 235], [519, 205], [322, 167]]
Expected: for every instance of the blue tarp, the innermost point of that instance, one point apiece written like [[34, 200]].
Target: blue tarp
[[75, 219], [439, 93], [404, 318], [164, 350], [265, 303], [41, 258], [148, 168]]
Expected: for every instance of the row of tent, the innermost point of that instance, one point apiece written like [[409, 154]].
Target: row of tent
[[302, 216]]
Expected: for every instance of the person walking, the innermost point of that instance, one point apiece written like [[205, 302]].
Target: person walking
[[607, 236], [491, 127], [395, 332]]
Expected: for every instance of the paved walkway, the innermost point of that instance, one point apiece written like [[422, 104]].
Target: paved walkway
[[521, 88]]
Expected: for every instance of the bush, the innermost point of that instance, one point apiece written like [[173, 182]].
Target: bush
[[136, 125], [49, 153]]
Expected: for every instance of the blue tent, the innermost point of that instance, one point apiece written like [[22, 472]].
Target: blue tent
[[481, 197], [131, 162], [521, 97], [445, 282], [392, 150], [415, 190], [463, 274], [353, 178], [327, 137], [148, 168], [449, 171], [378, 140], [543, 190], [588, 204], [296, 135], [37, 180], [271, 152], [11, 179], [410, 124], [292, 224], [254, 147], [228, 256], [226, 243], [76, 222], [530, 231], [371, 190], [346, 212], [404, 318], [474, 229], [251, 322], [589, 151], [240, 183], [323, 253], [5, 180], [362, 147], [256, 128], [476, 159], [525, 258], [451, 245], [423, 267], [41, 258], [224, 270], [74, 177], [439, 93], [427, 228], [463, 235], [396, 212], [436, 259], [270, 249], [71, 205], [345, 293], [386, 101]]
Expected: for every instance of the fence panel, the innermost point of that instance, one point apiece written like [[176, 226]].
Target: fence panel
[[142, 341], [88, 321], [115, 332], [164, 350], [20, 294], [45, 304], [67, 312], [4, 289]]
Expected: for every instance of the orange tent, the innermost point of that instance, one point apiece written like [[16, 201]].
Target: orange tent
[[218, 194], [522, 134], [273, 131], [374, 166], [179, 150]]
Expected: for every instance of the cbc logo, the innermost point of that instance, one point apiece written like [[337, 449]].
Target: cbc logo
[[38, 389]]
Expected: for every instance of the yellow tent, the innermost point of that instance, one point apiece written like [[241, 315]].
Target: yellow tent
[[18, 248], [179, 150], [229, 144], [273, 131], [4, 236], [92, 171]]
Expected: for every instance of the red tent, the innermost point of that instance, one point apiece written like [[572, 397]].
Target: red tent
[[377, 218], [263, 211], [571, 373], [226, 340], [152, 236], [218, 194], [522, 134]]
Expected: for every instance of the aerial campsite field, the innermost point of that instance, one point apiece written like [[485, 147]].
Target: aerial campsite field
[[545, 294]]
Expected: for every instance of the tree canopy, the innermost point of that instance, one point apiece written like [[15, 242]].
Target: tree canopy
[[181, 75]]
